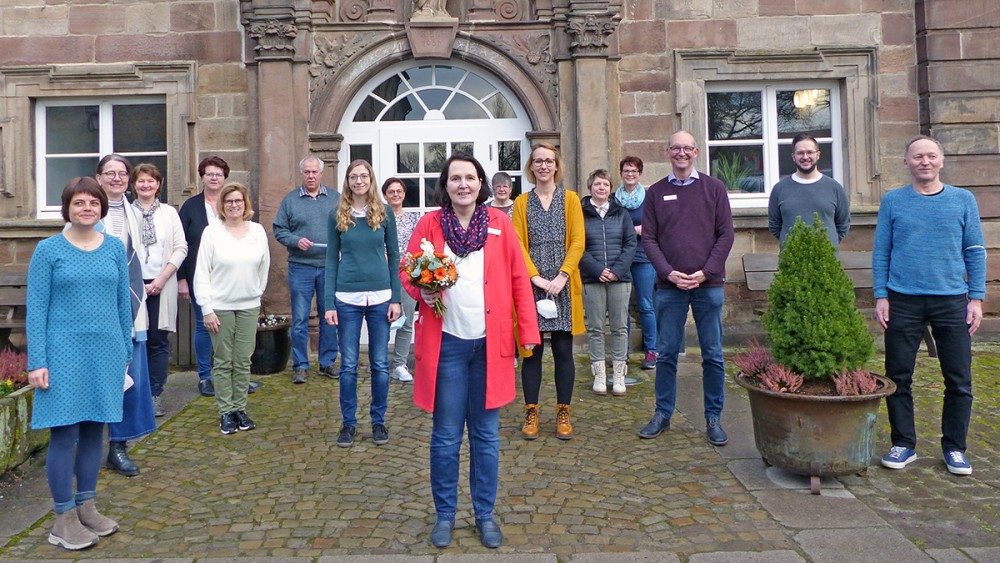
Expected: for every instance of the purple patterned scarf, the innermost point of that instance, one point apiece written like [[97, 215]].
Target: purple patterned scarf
[[463, 241]]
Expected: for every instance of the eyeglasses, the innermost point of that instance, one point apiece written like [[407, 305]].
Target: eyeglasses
[[234, 202], [358, 177], [214, 175], [628, 172], [111, 174], [543, 162], [806, 153], [677, 149]]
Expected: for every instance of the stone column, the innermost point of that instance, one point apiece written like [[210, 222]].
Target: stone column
[[282, 93], [589, 52]]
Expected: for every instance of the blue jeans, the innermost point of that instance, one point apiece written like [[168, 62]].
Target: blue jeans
[[350, 318], [460, 401], [202, 342], [946, 314], [644, 280], [303, 282], [671, 313]]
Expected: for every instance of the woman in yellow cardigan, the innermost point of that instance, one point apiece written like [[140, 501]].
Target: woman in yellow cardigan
[[549, 225]]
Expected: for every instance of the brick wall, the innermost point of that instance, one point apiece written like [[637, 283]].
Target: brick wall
[[959, 95]]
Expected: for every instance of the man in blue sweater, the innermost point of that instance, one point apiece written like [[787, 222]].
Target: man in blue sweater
[[300, 225], [929, 266], [687, 232]]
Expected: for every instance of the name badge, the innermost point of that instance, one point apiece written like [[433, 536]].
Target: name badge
[[493, 231], [670, 197]]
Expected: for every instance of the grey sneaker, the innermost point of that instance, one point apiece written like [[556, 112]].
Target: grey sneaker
[[346, 437], [300, 376], [158, 406], [380, 435], [329, 371]]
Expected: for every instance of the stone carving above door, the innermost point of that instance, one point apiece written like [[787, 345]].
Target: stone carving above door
[[274, 38], [429, 9], [331, 53], [536, 51], [590, 34]]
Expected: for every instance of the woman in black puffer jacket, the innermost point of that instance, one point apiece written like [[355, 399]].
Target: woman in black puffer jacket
[[607, 281]]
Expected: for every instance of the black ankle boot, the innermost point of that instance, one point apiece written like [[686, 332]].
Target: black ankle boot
[[119, 461]]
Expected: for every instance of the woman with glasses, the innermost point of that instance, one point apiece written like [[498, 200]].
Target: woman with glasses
[[161, 251], [549, 225], [122, 222], [197, 213], [502, 188], [394, 192], [631, 195], [230, 278], [362, 261]]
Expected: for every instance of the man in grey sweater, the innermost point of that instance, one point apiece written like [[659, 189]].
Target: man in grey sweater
[[301, 226], [806, 192]]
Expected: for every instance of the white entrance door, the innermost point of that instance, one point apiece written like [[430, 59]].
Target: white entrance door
[[409, 118], [416, 154]]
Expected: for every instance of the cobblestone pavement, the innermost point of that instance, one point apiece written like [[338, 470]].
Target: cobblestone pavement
[[285, 489]]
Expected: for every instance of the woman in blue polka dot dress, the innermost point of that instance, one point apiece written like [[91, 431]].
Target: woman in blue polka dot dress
[[79, 346]]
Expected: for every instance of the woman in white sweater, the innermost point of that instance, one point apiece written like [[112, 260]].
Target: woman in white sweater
[[161, 249], [229, 279]]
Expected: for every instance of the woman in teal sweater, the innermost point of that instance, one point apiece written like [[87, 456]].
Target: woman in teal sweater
[[362, 260]]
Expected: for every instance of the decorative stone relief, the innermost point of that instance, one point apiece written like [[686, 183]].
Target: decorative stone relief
[[590, 34], [508, 10], [330, 54], [424, 9], [274, 38], [535, 50], [354, 11]]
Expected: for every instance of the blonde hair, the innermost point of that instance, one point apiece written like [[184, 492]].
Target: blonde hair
[[530, 174], [220, 204], [376, 209]]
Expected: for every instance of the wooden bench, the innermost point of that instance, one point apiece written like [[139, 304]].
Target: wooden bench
[[761, 268], [13, 298]]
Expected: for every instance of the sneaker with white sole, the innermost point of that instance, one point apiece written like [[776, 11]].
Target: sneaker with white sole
[[898, 457], [402, 374], [957, 464]]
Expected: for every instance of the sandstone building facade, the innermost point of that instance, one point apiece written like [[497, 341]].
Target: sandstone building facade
[[261, 83]]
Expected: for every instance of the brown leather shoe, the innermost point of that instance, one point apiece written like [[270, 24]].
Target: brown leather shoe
[[564, 428], [530, 428]]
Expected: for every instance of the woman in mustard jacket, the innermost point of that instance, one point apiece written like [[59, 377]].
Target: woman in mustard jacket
[[465, 368], [549, 224]]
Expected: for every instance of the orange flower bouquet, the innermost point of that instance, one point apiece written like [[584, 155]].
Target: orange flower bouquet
[[430, 270]]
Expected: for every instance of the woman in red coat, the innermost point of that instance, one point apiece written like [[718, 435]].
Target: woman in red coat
[[465, 359]]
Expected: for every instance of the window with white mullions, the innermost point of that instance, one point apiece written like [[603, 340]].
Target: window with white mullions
[[71, 136], [750, 130]]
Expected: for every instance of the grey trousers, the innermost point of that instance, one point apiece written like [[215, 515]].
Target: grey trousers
[[607, 301]]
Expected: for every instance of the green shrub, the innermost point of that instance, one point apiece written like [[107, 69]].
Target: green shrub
[[812, 322]]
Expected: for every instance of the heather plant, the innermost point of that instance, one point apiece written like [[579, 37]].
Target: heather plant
[[13, 371], [755, 360], [814, 328], [781, 379]]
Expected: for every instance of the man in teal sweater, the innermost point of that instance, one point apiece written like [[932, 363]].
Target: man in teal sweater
[[300, 225], [929, 266]]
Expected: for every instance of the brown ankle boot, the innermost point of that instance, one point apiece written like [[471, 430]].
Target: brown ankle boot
[[69, 533], [530, 428], [564, 428], [95, 521]]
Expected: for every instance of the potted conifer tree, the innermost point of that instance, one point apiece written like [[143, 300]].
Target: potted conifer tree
[[813, 403]]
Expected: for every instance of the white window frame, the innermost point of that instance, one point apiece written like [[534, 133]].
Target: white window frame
[[769, 139], [105, 139]]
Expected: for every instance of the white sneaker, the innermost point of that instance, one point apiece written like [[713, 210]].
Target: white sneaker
[[402, 374]]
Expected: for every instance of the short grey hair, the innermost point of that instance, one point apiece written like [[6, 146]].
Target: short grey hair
[[302, 163], [923, 138]]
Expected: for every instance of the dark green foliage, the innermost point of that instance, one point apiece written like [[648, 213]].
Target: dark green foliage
[[814, 327]]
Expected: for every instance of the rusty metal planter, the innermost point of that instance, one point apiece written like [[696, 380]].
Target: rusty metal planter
[[816, 436]]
